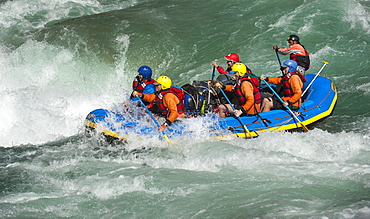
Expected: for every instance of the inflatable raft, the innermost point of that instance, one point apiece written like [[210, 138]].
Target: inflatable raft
[[319, 102]]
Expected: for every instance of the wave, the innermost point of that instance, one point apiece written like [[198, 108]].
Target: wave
[[62, 59]]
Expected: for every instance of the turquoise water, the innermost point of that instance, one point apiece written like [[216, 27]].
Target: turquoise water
[[59, 60]]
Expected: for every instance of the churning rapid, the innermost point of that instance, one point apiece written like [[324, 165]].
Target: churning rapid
[[62, 59]]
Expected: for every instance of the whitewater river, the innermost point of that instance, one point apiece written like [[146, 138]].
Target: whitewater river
[[61, 59]]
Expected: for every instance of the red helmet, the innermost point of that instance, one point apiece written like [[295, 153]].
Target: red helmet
[[232, 57]]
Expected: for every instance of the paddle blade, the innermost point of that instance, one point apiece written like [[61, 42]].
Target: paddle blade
[[305, 129], [247, 135], [166, 137]]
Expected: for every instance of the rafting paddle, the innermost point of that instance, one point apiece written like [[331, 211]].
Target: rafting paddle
[[278, 58], [155, 121], [290, 111], [251, 135], [308, 86], [213, 73]]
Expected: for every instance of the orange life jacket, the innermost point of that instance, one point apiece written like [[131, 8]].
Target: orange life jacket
[[286, 86], [301, 60], [179, 93], [256, 92]]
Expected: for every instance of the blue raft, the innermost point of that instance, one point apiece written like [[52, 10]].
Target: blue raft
[[318, 103]]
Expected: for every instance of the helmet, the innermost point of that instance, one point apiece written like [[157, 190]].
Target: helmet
[[291, 64], [293, 37], [145, 71], [232, 57], [165, 82], [149, 89], [240, 68]]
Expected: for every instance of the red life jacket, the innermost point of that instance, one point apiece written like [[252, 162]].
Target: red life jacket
[[286, 86], [179, 93], [256, 92], [303, 61], [140, 87]]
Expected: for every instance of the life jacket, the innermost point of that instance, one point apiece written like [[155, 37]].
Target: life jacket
[[286, 86], [179, 93], [256, 92], [301, 60], [250, 74], [140, 87]]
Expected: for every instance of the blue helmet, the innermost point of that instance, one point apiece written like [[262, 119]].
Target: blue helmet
[[149, 89], [145, 71], [291, 64]]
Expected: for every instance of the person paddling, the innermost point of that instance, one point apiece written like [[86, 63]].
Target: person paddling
[[231, 59], [292, 82], [168, 99], [247, 93], [142, 79], [297, 53]]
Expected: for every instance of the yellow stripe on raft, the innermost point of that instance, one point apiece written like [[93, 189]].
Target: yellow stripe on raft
[[104, 131], [294, 125]]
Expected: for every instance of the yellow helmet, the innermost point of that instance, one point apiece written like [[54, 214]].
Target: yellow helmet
[[165, 82], [240, 68]]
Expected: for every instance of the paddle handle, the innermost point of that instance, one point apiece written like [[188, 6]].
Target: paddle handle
[[213, 73], [278, 58]]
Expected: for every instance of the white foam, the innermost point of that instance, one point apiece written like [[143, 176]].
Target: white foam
[[47, 91], [270, 148], [357, 15], [34, 14]]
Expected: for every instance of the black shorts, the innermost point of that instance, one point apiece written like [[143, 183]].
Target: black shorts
[[278, 105], [245, 114]]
